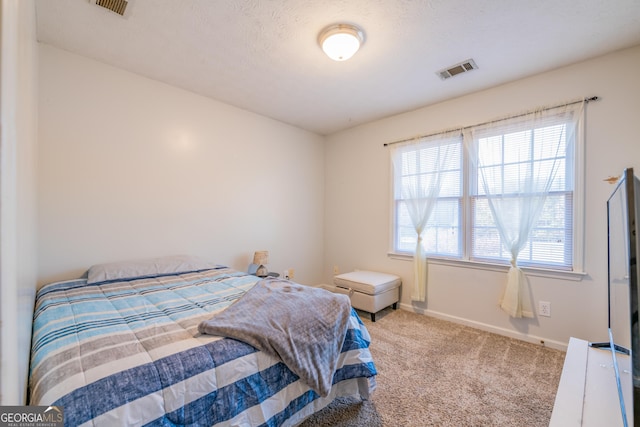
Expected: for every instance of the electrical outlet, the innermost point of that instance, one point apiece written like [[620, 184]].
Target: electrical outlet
[[285, 274], [291, 273], [544, 308], [336, 270]]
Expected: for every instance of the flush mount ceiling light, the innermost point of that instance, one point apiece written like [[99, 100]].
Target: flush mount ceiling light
[[341, 41]]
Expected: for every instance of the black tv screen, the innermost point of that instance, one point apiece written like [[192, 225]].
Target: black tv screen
[[624, 336]]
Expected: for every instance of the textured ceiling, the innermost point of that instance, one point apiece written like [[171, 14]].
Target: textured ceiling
[[263, 55]]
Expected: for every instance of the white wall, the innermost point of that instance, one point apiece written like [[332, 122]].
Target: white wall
[[130, 168], [18, 226], [357, 203]]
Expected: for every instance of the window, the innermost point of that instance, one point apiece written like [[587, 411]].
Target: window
[[442, 233], [491, 168]]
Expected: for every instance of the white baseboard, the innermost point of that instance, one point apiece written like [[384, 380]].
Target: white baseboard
[[558, 345]]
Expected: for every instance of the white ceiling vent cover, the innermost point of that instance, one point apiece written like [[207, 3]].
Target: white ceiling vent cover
[[460, 68], [117, 6]]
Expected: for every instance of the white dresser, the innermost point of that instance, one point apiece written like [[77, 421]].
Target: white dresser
[[587, 393]]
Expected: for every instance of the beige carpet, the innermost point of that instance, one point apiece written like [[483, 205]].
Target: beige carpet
[[436, 373]]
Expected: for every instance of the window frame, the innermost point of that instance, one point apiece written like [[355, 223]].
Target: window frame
[[574, 272]]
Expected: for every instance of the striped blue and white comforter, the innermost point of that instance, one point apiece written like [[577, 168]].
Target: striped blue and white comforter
[[129, 353]]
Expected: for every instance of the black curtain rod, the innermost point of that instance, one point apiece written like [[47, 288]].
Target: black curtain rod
[[593, 98]]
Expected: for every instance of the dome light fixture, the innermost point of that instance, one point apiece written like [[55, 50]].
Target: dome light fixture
[[341, 41]]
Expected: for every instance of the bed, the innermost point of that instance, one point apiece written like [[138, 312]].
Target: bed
[[123, 347]]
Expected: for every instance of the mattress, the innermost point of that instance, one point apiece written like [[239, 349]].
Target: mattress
[[128, 352]]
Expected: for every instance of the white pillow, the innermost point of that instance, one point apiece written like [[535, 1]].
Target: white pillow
[[152, 267]]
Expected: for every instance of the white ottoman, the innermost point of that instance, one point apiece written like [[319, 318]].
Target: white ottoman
[[369, 290]]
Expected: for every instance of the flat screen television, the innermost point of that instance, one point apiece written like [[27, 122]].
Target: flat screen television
[[623, 208]]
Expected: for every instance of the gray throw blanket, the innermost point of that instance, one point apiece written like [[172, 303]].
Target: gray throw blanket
[[304, 327]]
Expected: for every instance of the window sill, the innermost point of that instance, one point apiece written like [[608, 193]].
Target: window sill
[[574, 276]]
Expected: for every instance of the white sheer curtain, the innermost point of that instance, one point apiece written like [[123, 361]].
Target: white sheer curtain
[[517, 162], [418, 168]]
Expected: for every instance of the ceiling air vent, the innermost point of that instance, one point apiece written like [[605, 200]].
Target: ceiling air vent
[[117, 6], [460, 68]]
